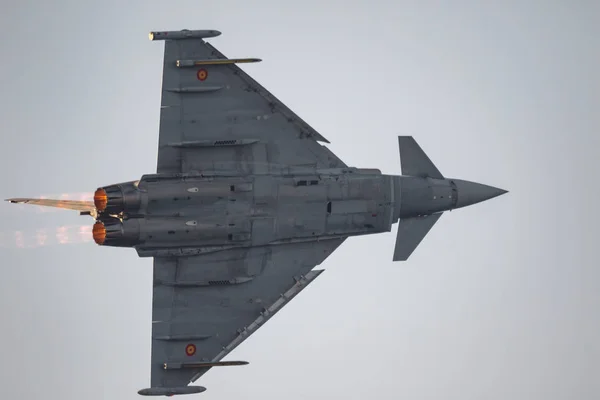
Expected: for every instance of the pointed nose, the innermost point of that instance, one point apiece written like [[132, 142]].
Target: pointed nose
[[470, 193]]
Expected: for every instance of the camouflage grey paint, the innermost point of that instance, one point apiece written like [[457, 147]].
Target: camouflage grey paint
[[204, 214], [244, 204]]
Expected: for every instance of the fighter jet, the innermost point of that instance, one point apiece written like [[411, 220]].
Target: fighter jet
[[246, 201]]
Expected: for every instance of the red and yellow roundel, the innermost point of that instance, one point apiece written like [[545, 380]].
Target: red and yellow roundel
[[202, 74], [190, 350]]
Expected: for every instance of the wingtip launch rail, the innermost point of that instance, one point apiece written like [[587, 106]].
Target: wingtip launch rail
[[183, 34]]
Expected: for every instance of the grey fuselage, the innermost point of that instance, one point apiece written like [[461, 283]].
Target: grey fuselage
[[171, 215]]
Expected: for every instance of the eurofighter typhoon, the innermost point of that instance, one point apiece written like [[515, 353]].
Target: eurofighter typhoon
[[245, 202]]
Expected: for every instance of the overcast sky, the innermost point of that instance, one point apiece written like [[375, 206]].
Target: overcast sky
[[499, 302]]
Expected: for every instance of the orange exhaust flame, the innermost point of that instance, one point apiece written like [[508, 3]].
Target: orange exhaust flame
[[99, 233], [100, 200]]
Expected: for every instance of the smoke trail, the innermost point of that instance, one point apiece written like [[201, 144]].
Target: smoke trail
[[68, 234]]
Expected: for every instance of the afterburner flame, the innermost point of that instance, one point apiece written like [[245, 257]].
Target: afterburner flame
[[100, 199], [99, 233]]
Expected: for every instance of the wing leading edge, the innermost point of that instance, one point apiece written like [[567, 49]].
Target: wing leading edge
[[214, 116], [205, 306]]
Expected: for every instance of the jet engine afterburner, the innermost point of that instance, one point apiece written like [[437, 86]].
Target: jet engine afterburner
[[120, 198], [114, 232]]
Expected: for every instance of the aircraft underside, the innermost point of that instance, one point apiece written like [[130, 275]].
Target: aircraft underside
[[246, 201]]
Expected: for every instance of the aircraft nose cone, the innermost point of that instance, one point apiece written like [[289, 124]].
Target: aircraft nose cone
[[470, 193]]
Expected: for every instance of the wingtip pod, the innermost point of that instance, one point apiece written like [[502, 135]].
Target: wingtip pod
[[183, 34], [171, 391]]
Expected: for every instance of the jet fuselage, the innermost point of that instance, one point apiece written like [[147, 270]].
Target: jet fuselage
[[167, 215]]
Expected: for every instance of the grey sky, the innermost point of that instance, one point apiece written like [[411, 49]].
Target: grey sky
[[499, 302]]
